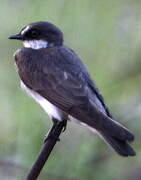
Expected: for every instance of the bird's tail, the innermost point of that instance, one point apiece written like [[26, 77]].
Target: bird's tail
[[118, 137], [115, 134], [122, 147]]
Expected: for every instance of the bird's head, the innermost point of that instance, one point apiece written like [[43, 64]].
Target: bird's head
[[40, 35]]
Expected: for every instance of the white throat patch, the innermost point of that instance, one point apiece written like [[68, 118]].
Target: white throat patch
[[35, 44]]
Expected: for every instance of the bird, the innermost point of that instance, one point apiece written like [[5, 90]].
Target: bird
[[56, 78]]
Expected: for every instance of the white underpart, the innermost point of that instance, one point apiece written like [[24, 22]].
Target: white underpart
[[52, 110], [49, 108], [35, 44]]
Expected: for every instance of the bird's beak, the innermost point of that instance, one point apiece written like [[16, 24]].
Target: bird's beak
[[17, 36]]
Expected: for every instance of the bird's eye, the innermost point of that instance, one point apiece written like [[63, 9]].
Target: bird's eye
[[34, 33]]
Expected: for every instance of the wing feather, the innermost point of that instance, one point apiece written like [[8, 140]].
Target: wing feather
[[47, 76]]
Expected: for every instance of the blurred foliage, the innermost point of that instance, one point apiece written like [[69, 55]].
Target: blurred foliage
[[107, 36]]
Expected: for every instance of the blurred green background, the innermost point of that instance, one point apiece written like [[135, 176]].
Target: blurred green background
[[107, 36]]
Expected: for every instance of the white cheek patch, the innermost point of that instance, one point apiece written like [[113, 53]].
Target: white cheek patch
[[35, 44]]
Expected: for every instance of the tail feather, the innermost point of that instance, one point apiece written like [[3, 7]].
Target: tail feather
[[113, 132], [120, 146], [116, 130], [101, 122]]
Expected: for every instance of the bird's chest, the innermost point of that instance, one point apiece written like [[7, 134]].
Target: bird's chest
[[25, 65], [29, 69], [33, 72]]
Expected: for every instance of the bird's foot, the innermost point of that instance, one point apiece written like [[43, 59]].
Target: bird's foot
[[51, 136], [64, 125]]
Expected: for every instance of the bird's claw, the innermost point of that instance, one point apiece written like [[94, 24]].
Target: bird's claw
[[51, 137], [64, 126]]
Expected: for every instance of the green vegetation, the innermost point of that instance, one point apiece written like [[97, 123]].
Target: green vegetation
[[107, 36]]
